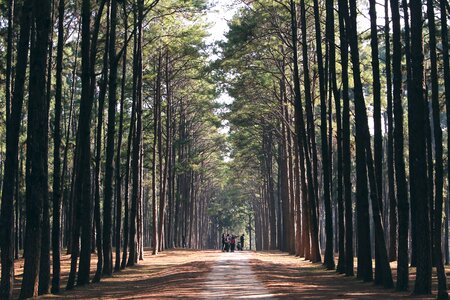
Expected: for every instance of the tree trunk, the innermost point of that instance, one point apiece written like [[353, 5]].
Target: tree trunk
[[362, 205], [390, 142], [118, 154], [12, 151], [37, 146], [346, 152], [98, 156], [109, 168], [44, 268], [446, 67], [156, 108], [439, 169], [417, 123], [407, 50], [400, 175], [326, 163], [56, 226], [382, 269], [137, 137], [330, 35], [82, 173], [302, 140]]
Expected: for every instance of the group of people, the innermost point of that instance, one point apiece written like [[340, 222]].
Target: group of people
[[229, 242]]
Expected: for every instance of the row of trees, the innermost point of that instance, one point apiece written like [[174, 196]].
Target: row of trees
[[338, 120], [109, 136]]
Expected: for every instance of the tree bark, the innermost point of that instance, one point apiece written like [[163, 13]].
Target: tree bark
[[417, 123], [362, 205], [56, 226], [438, 150], [137, 138], [346, 152], [446, 67], [326, 163], [109, 167], [400, 175], [98, 156], [12, 151], [390, 142], [37, 146], [118, 174], [156, 117], [302, 140]]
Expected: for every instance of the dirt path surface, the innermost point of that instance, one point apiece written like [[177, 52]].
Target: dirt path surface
[[168, 275], [185, 274], [232, 277], [289, 277]]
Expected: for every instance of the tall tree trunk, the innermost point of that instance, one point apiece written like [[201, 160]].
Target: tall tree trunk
[[407, 51], [400, 175], [137, 137], [162, 158], [98, 156], [346, 152], [446, 67], [283, 176], [329, 255], [376, 90], [56, 226], [291, 180], [66, 195], [17, 225], [362, 205], [167, 157], [37, 146], [109, 168], [126, 226], [429, 166], [118, 178], [12, 151], [298, 234], [416, 123], [390, 141], [268, 146], [439, 169], [44, 268], [302, 140], [331, 46], [156, 108], [82, 173]]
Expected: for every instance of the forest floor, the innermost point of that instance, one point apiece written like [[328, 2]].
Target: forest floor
[[189, 274]]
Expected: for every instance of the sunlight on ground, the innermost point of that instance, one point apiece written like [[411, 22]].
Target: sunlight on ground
[[189, 274], [232, 277]]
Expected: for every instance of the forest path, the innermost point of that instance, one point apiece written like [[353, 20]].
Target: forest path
[[209, 274], [232, 277]]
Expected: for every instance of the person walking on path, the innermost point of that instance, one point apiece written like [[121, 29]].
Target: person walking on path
[[227, 243], [223, 242], [242, 242], [233, 243]]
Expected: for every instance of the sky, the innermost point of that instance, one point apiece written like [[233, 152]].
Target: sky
[[220, 13]]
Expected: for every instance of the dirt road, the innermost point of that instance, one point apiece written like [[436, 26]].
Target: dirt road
[[186, 274]]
